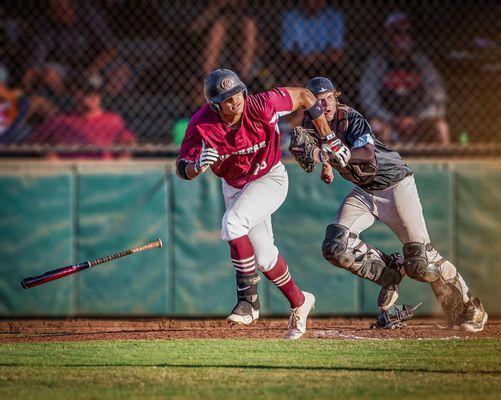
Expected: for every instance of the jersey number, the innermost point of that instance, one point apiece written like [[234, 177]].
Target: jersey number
[[259, 167]]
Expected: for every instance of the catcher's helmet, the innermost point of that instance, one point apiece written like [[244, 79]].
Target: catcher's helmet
[[220, 85], [319, 85]]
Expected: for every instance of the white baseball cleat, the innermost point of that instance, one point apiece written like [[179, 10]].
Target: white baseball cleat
[[476, 317], [299, 317], [243, 314]]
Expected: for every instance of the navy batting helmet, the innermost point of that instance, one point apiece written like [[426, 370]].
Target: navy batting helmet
[[319, 85], [220, 85]]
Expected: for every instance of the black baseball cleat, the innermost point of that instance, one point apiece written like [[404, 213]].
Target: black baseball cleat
[[243, 314], [388, 296]]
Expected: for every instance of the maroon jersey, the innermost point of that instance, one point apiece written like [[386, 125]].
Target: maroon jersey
[[244, 154]]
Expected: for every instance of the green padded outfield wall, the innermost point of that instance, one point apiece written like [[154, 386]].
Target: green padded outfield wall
[[54, 214], [36, 233]]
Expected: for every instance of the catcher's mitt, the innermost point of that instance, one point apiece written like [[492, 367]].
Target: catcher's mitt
[[302, 146]]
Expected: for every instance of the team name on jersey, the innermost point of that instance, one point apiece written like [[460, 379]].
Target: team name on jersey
[[248, 150]]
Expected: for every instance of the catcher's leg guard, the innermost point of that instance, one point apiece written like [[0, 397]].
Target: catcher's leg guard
[[345, 250], [335, 246], [469, 315], [388, 294], [424, 263], [416, 263], [454, 297], [246, 311], [449, 294]]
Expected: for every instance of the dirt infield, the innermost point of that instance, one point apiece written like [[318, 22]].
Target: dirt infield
[[38, 330]]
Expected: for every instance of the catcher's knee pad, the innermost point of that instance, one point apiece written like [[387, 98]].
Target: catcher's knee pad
[[335, 246], [416, 263]]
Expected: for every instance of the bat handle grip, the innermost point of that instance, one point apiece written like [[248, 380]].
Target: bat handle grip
[[105, 259]]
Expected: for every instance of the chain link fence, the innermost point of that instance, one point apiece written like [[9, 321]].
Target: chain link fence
[[108, 78]]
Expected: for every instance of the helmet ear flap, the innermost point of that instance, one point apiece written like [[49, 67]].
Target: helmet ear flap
[[215, 106]]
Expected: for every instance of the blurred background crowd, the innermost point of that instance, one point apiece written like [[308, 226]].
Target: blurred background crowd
[[117, 78]]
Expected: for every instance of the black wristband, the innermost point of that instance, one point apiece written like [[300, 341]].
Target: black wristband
[[315, 111], [181, 169]]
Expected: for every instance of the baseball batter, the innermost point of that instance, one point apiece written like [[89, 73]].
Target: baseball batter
[[385, 190], [237, 136]]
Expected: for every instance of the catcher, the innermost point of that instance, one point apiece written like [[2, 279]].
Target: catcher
[[385, 190]]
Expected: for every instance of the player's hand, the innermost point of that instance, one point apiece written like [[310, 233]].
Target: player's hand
[[327, 175], [337, 152], [208, 157]]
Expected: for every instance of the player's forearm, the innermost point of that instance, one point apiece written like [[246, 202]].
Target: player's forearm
[[322, 126], [304, 99], [187, 169], [301, 98]]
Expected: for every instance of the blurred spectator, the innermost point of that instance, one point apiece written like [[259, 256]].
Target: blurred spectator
[[475, 63], [401, 91], [231, 34], [13, 112], [88, 124], [72, 36], [312, 40], [263, 80], [178, 130], [13, 51]]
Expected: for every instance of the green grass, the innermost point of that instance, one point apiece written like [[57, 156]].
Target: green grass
[[273, 369]]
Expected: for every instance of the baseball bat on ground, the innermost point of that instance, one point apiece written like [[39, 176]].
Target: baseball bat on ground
[[73, 269]]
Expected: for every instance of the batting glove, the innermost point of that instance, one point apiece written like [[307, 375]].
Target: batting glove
[[337, 152], [208, 157]]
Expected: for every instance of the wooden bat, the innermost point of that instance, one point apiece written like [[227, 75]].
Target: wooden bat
[[73, 269]]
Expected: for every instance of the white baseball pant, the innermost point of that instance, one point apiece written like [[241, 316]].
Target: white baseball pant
[[249, 210]]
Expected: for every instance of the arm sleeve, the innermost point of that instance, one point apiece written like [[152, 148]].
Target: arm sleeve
[[362, 155]]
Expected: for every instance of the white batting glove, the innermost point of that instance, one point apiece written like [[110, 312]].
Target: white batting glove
[[337, 152], [208, 157]]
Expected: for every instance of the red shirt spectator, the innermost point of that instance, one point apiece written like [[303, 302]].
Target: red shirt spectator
[[88, 125]]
